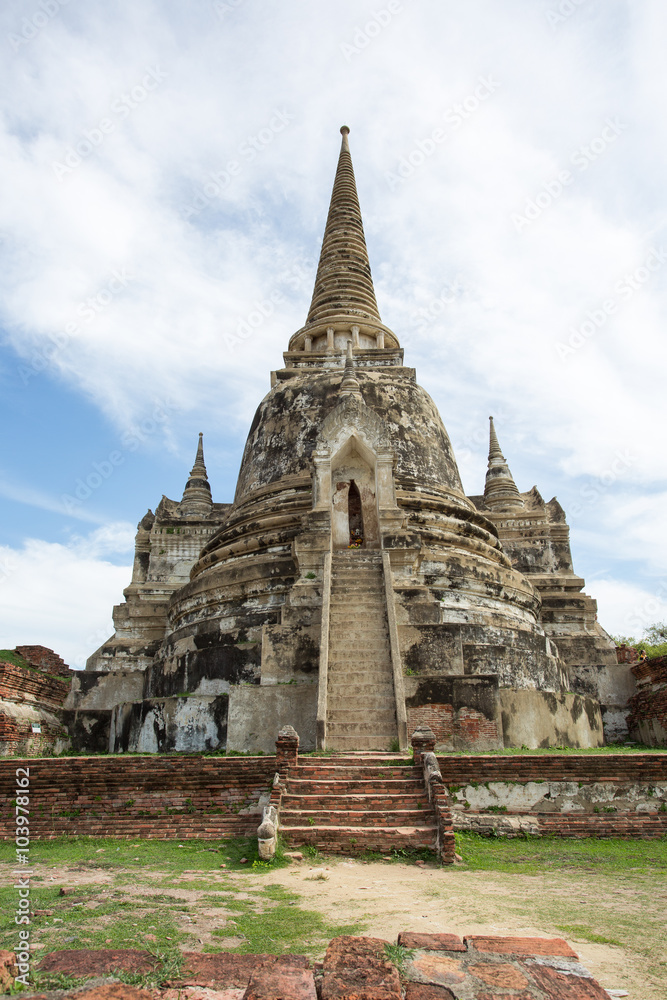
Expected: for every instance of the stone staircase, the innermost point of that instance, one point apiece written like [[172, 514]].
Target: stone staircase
[[357, 802], [361, 708]]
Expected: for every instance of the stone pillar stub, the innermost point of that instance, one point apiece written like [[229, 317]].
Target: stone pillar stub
[[423, 741], [287, 749]]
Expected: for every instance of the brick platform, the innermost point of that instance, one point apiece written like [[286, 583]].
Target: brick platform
[[438, 967]]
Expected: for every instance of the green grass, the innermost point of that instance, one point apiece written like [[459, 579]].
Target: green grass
[[106, 853], [281, 926], [9, 656], [581, 932], [534, 855]]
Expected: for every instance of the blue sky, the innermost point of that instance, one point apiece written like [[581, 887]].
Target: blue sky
[[165, 177]]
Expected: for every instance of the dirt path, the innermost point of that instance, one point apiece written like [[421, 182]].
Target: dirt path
[[389, 898]]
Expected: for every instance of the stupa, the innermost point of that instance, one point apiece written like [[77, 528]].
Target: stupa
[[352, 589]]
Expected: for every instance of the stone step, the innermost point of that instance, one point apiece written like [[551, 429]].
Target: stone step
[[338, 697], [371, 717], [320, 782]]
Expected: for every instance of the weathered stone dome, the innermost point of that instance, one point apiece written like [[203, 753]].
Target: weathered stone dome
[[284, 432]]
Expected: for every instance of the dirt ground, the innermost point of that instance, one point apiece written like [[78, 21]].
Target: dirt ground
[[391, 897]]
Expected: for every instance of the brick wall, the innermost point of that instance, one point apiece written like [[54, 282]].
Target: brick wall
[[609, 795], [465, 728], [647, 721], [149, 797]]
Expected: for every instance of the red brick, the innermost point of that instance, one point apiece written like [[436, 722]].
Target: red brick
[[225, 970], [563, 986], [499, 974], [111, 991], [431, 942], [426, 991], [521, 946], [97, 962], [280, 983]]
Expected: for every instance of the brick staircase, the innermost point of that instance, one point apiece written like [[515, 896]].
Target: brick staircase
[[361, 708], [357, 802]]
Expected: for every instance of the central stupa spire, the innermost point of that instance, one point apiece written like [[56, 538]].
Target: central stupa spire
[[344, 283], [343, 307]]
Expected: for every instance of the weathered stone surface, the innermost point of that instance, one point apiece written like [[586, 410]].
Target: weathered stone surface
[[521, 946], [356, 967], [97, 961], [434, 967], [498, 974], [280, 983], [427, 991], [111, 991], [558, 985], [431, 942], [7, 970], [224, 969]]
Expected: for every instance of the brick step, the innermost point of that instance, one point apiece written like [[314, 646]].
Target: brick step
[[289, 818], [350, 787], [343, 840], [314, 802]]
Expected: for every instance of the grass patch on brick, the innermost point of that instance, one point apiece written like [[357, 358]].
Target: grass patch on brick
[[533, 855]]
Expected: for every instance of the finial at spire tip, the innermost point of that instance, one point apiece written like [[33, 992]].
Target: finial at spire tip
[[344, 130]]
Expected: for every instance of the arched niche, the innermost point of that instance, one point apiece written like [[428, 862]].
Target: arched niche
[[353, 473]]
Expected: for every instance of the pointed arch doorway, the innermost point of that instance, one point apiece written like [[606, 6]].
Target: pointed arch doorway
[[354, 501]]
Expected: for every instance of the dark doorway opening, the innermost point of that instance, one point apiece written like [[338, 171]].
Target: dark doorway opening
[[355, 516]]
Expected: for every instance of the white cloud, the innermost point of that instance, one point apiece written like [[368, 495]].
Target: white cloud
[[60, 596], [626, 609], [194, 279]]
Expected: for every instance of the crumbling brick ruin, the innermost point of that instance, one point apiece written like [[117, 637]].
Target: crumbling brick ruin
[[33, 688]]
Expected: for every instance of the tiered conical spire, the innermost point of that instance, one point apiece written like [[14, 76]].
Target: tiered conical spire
[[344, 283], [196, 500], [500, 491], [343, 306], [350, 384]]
